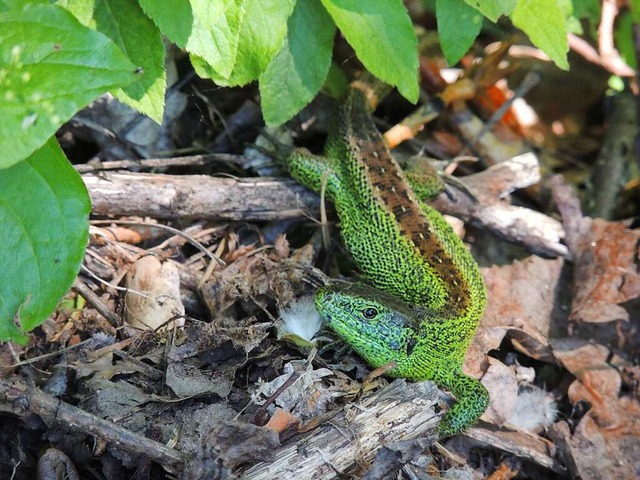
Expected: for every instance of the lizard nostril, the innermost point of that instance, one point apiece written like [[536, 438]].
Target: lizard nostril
[[325, 295]]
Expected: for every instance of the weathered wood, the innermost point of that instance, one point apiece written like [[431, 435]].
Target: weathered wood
[[198, 196], [264, 199], [402, 411]]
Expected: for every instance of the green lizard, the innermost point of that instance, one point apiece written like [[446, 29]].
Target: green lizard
[[427, 294]]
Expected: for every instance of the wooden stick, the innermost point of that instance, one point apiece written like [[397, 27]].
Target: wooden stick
[[18, 397]]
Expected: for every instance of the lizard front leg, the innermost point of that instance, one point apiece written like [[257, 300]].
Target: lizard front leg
[[313, 171]]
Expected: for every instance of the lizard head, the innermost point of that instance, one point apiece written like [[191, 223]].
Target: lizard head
[[378, 326]]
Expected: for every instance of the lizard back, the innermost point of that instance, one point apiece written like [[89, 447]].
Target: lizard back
[[403, 246]]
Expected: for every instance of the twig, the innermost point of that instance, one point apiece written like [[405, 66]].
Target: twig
[[530, 80], [407, 407], [532, 447], [96, 302], [150, 163], [609, 56], [175, 231], [584, 49], [613, 166]]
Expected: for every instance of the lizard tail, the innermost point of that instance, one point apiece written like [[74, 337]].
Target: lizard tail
[[472, 401]]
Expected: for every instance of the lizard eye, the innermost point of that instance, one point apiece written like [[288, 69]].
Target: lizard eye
[[370, 313]]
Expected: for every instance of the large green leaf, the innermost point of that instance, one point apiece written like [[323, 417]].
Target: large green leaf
[[458, 26], [300, 68], [545, 24], [44, 211], [382, 35], [18, 4], [50, 67], [591, 9], [263, 30], [124, 22], [623, 36], [206, 28]]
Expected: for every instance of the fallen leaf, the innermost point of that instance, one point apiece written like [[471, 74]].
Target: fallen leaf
[[606, 258]]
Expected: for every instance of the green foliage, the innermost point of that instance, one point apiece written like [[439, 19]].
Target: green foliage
[[44, 209], [544, 23], [588, 9], [124, 22], [208, 29], [301, 66], [382, 35], [458, 26], [58, 56], [262, 32], [50, 67], [623, 36], [493, 9]]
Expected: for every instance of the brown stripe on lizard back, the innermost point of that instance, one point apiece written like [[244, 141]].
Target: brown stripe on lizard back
[[393, 194]]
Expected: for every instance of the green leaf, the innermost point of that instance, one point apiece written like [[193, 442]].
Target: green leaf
[[44, 213], [208, 29], [382, 35], [124, 22], [493, 9], [299, 69], [336, 83], [544, 23], [50, 67], [635, 11], [589, 9], [18, 4], [263, 30], [458, 26], [573, 24], [623, 35]]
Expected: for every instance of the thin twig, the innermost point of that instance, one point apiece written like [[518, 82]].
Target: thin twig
[[96, 302], [529, 81], [151, 163], [175, 231], [611, 59]]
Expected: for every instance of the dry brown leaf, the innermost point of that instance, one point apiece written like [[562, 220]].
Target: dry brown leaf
[[187, 381], [281, 247], [520, 302], [309, 396], [606, 261], [281, 420], [606, 272], [598, 383], [522, 294], [250, 278], [485, 340], [584, 451]]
